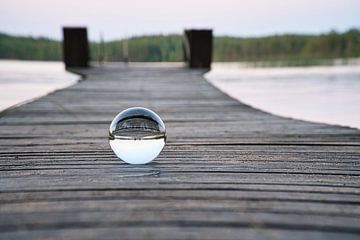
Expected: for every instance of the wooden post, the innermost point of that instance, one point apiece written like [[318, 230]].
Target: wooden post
[[198, 48], [75, 47]]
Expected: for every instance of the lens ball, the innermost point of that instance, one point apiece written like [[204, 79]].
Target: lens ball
[[137, 135]]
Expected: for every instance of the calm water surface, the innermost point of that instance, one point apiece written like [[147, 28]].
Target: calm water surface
[[327, 94], [21, 81]]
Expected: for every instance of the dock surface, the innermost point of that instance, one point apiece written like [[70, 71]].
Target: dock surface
[[228, 171]]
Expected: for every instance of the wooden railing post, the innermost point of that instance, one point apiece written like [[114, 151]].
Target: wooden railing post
[[75, 47], [198, 46]]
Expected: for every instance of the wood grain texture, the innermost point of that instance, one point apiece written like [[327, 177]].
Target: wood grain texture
[[228, 171]]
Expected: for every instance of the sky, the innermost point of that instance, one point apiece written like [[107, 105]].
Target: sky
[[118, 19]]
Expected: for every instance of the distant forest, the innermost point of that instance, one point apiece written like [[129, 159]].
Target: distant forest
[[153, 48]]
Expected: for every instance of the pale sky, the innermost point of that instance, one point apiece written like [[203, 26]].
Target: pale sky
[[118, 19]]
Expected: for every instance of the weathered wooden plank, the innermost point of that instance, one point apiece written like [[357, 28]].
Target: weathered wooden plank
[[178, 231], [229, 171]]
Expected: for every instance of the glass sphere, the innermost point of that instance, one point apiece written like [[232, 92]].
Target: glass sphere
[[137, 135]]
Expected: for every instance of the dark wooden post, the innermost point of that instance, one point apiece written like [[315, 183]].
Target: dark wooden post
[[75, 47], [198, 48]]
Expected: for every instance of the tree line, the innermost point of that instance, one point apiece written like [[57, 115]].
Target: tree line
[[154, 48]]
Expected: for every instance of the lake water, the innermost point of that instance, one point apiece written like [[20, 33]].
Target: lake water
[[326, 94], [21, 81]]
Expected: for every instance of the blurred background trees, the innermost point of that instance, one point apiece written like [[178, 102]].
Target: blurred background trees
[[155, 48]]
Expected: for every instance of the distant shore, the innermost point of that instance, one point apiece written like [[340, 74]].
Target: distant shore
[[296, 49]]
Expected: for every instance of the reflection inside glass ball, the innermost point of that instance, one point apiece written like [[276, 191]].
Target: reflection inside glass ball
[[137, 135]]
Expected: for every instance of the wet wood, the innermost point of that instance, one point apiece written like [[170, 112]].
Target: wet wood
[[228, 171]]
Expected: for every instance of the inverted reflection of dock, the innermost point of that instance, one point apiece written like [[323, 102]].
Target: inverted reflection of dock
[[228, 171]]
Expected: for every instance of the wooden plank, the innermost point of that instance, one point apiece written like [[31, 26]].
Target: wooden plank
[[228, 171]]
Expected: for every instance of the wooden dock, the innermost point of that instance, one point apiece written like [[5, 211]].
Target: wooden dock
[[228, 171]]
